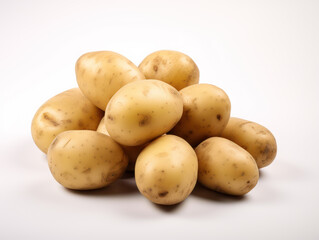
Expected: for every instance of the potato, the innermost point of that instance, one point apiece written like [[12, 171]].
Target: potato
[[166, 170], [141, 111], [69, 110], [206, 113], [225, 167], [131, 152], [256, 139], [84, 159], [101, 74], [172, 67]]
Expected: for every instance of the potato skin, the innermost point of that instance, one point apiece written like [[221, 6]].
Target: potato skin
[[172, 67], [225, 167], [166, 170], [101, 74], [255, 138], [206, 113], [141, 111], [131, 152], [69, 110], [84, 159]]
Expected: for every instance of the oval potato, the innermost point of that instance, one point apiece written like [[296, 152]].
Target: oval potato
[[141, 111], [206, 113], [166, 170], [172, 67], [255, 138], [69, 110], [225, 167], [101, 74], [84, 159], [131, 152]]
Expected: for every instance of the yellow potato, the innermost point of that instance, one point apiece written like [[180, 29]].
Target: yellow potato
[[172, 67], [206, 113], [69, 110], [101, 74], [256, 139], [166, 170], [225, 167], [131, 152], [141, 111], [84, 159]]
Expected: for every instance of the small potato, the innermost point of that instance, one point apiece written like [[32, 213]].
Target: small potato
[[101, 74], [69, 110], [225, 167], [206, 113], [256, 139], [141, 111], [166, 170], [131, 152], [83, 159], [172, 67]]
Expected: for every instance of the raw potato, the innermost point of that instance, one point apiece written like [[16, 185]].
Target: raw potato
[[166, 170], [131, 152], [83, 159], [225, 167], [141, 111], [69, 110], [256, 139], [101, 74], [172, 67], [206, 113]]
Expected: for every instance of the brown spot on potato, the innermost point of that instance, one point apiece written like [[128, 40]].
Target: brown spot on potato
[[145, 119], [88, 170], [266, 150], [155, 68], [219, 117], [110, 117], [49, 118], [162, 194]]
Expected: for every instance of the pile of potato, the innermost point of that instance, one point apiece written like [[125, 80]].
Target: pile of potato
[[155, 120]]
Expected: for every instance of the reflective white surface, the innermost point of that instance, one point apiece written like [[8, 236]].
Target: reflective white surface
[[264, 54]]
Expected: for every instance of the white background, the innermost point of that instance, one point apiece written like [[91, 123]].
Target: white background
[[264, 54]]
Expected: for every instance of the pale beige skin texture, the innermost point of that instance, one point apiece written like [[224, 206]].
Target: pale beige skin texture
[[101, 74], [131, 152], [83, 160], [225, 167], [166, 170], [141, 111], [206, 113], [256, 139], [69, 110], [172, 67]]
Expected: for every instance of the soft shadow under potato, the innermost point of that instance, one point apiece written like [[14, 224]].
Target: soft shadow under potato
[[205, 193], [120, 187]]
